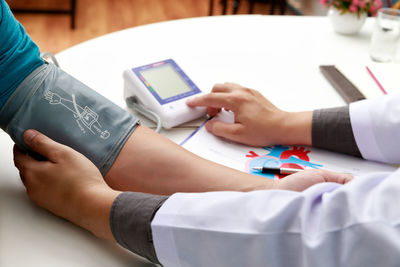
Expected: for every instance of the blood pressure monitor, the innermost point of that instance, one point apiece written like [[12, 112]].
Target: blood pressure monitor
[[163, 88]]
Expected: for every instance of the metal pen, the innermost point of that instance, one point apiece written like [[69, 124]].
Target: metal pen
[[277, 170]]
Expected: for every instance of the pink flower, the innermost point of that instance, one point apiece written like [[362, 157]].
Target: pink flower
[[353, 8], [377, 4], [362, 4]]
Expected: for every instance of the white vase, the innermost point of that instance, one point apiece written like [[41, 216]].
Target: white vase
[[346, 23]]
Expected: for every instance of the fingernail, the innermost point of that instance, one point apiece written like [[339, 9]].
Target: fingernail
[[209, 125], [29, 135]]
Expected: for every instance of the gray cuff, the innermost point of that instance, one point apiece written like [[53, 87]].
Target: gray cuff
[[69, 112], [130, 221], [331, 129]]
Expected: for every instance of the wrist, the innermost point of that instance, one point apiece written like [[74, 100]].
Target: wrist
[[297, 128], [94, 207], [261, 184]]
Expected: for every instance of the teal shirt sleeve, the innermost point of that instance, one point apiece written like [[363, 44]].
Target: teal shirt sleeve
[[19, 55]]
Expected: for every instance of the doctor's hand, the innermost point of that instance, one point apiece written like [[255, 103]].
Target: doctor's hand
[[257, 121], [304, 179], [67, 184]]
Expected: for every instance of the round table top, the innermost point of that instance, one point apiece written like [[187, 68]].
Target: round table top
[[278, 55]]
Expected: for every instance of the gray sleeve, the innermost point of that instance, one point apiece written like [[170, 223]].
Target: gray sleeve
[[130, 218], [331, 129]]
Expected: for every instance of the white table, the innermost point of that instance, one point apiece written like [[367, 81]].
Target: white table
[[276, 55]]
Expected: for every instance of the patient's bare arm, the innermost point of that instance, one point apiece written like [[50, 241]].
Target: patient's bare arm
[[69, 185], [151, 163]]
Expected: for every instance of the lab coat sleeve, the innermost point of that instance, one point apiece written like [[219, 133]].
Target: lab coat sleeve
[[326, 225], [376, 128]]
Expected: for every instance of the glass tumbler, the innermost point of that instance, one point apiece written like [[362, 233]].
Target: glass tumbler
[[386, 35]]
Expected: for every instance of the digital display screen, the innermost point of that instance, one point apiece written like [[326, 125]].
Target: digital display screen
[[166, 81]]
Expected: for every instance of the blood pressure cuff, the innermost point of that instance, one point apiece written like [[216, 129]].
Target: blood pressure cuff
[[56, 104]]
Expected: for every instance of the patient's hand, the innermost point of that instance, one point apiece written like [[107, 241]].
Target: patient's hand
[[304, 179], [67, 184]]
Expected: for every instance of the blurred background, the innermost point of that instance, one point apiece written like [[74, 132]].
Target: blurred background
[[58, 24]]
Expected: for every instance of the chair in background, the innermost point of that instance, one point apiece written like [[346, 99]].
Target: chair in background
[[273, 4], [281, 4], [71, 11]]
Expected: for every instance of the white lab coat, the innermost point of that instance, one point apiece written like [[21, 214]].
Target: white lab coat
[[357, 224]]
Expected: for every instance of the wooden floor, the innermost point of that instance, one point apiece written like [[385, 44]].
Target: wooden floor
[[98, 17]]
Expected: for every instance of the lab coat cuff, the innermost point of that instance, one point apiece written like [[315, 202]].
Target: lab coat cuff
[[362, 125]]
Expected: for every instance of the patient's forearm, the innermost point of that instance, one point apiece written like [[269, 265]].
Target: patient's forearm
[[151, 163]]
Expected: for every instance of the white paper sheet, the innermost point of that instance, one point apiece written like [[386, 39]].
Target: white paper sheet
[[243, 158]]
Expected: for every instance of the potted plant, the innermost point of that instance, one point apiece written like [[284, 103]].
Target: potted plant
[[348, 16]]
